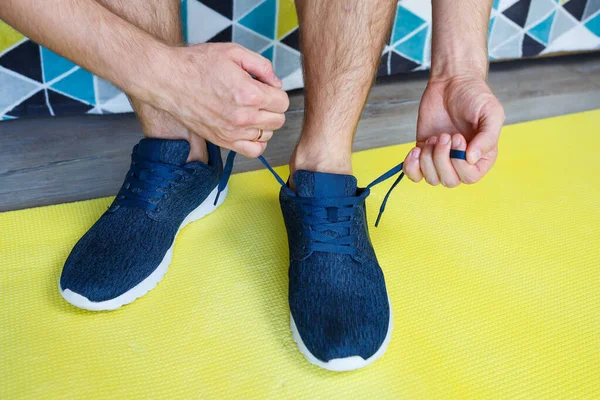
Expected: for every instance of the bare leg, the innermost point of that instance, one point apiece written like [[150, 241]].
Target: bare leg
[[162, 19], [341, 43]]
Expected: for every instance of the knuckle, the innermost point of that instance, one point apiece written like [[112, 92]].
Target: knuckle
[[233, 48], [267, 67], [450, 183], [285, 102], [248, 97], [240, 119], [255, 151], [280, 121], [469, 179], [432, 182]]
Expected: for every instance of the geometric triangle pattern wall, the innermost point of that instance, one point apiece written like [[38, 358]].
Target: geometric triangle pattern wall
[[34, 81]]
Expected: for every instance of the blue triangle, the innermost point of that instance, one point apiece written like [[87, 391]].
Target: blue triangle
[[496, 4], [79, 84], [542, 30], [7, 118], [414, 47], [406, 22], [268, 53], [184, 21], [54, 65], [262, 19], [594, 25]]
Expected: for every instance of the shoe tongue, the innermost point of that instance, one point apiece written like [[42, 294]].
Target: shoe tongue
[[174, 152], [320, 184]]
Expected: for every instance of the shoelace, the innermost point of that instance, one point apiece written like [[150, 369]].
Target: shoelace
[[147, 182], [331, 215], [457, 154]]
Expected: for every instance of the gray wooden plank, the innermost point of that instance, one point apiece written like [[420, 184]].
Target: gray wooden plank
[[47, 161]]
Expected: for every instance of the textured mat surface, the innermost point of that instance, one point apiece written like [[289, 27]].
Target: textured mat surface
[[495, 289]]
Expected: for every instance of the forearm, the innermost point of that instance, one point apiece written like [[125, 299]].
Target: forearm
[[91, 36], [459, 40]]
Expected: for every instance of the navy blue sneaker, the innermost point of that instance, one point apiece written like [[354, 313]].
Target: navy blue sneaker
[[129, 249], [341, 317]]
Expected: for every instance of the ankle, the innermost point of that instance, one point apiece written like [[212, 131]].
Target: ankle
[[320, 159]]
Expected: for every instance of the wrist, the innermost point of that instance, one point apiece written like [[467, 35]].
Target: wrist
[[150, 72], [445, 67]]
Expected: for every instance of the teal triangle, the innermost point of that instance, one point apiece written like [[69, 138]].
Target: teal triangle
[[406, 22], [268, 53], [542, 30], [79, 84], [262, 19], [496, 4], [6, 117], [414, 47], [54, 65], [184, 20], [594, 25]]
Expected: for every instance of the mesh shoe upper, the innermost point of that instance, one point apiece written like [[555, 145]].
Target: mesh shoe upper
[[131, 238], [337, 292]]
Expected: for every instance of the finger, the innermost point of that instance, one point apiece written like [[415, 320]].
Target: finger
[[411, 165], [267, 120], [257, 136], [248, 148], [426, 161], [257, 65], [490, 125], [441, 160], [467, 173], [274, 99]]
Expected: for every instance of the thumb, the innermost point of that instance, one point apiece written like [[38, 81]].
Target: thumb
[[486, 140]]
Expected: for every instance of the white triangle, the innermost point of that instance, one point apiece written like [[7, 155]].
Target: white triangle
[[504, 4], [119, 104], [502, 31], [241, 7], [286, 61], [95, 111], [538, 11], [418, 7], [249, 39], [563, 22], [578, 38], [293, 81], [510, 49], [203, 23]]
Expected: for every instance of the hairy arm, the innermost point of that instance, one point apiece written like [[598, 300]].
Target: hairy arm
[[207, 87], [458, 110], [459, 41], [89, 35]]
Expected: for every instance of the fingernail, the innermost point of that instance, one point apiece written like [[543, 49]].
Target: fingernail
[[432, 140], [456, 142], [444, 139], [415, 153], [476, 155]]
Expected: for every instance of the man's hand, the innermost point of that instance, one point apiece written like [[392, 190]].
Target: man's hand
[[208, 88], [459, 113]]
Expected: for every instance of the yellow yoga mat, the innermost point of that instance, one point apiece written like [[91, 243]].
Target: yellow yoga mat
[[495, 289]]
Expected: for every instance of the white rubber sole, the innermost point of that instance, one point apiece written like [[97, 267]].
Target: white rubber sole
[[205, 208], [346, 363]]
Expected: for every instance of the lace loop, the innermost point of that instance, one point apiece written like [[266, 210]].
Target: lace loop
[[147, 182], [330, 219]]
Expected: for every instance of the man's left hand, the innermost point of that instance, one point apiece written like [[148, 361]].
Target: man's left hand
[[459, 113]]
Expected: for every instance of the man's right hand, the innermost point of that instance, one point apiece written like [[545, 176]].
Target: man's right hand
[[208, 88]]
